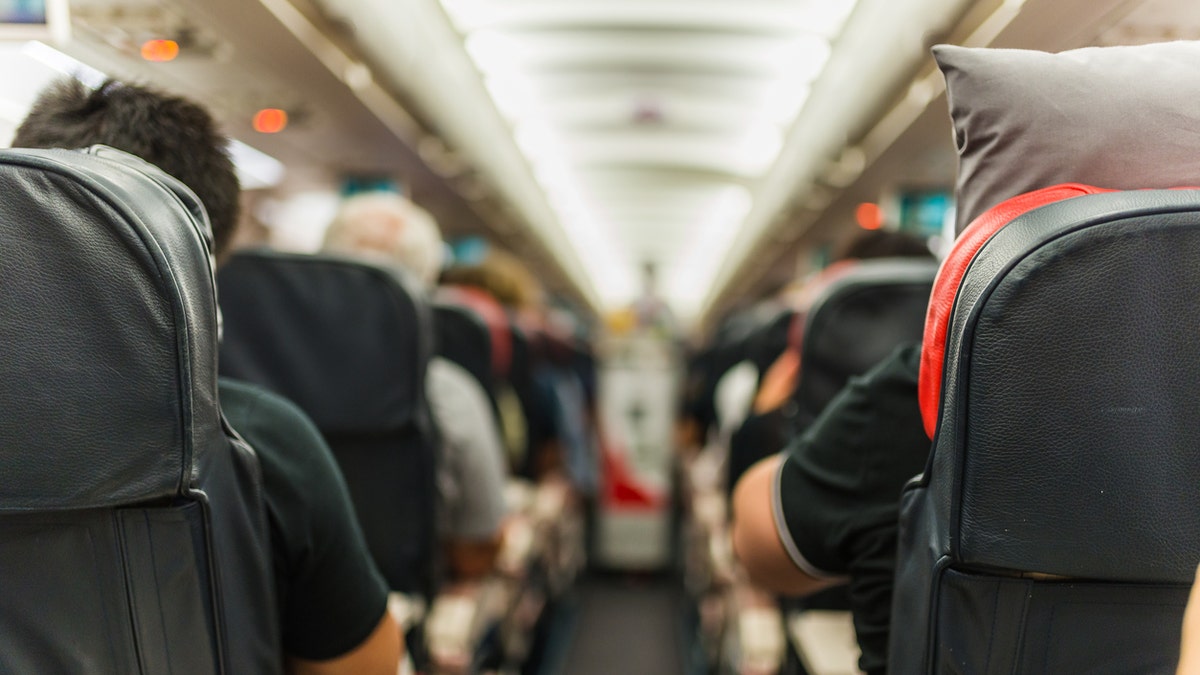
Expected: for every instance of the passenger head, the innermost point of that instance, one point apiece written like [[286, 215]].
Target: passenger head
[[504, 277], [883, 244], [389, 228], [170, 132]]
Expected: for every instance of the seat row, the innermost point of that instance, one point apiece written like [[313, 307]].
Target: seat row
[[1053, 528], [135, 535]]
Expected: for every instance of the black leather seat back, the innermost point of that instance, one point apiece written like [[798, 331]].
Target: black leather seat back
[[856, 321], [462, 337], [133, 537], [349, 343], [1057, 527], [494, 318], [863, 315], [769, 340]]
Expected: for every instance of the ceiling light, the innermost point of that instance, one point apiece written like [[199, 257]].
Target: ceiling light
[[515, 95], [693, 272], [496, 52], [827, 17], [255, 168], [823, 17], [572, 95], [160, 51], [539, 142], [869, 216], [270, 120], [800, 60], [782, 105], [757, 149]]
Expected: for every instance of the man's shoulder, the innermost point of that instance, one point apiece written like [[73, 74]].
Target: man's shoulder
[[332, 593], [900, 369], [871, 403], [452, 391], [447, 376], [251, 402], [284, 438]]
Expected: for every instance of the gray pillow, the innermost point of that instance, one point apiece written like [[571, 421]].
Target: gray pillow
[[1113, 117]]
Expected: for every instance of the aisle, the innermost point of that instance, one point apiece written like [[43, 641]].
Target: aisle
[[626, 625]]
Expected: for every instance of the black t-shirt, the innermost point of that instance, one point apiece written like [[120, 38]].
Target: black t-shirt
[[838, 491], [330, 593], [761, 435]]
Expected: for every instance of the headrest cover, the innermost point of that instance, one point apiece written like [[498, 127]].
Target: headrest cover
[[463, 338], [345, 340], [945, 287], [1124, 117], [108, 321]]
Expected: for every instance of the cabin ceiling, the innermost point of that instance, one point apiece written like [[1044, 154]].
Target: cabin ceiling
[[641, 133], [717, 141]]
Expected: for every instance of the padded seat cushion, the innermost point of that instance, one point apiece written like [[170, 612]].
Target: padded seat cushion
[[364, 362], [953, 268], [1123, 117], [113, 318]]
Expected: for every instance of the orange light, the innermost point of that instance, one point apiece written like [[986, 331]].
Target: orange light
[[869, 216], [270, 120], [160, 50]]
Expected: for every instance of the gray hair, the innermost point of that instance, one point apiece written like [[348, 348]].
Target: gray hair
[[391, 229]]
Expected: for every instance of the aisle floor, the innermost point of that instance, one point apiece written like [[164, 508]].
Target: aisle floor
[[626, 625]]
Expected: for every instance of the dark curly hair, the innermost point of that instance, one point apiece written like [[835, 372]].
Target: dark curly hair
[[177, 135]]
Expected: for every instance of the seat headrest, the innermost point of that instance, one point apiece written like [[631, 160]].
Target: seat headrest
[[860, 314], [108, 321], [494, 317], [945, 287], [769, 340], [463, 338], [346, 340], [1066, 439]]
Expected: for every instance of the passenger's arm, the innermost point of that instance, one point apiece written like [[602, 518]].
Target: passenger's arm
[[333, 593], [379, 654], [756, 540], [1189, 656], [471, 560], [474, 461]]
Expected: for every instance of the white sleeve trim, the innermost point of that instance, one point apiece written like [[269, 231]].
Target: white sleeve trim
[[785, 536]]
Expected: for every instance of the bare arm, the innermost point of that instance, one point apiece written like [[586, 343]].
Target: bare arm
[[756, 539], [379, 654], [1189, 657], [470, 560]]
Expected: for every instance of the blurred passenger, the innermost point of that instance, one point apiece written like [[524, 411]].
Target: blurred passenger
[[332, 599], [390, 229], [765, 431], [869, 244], [653, 314], [826, 537], [504, 278], [825, 510], [780, 379]]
